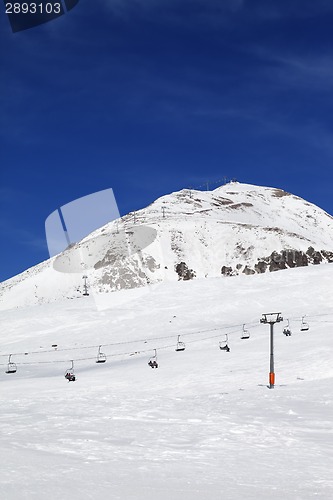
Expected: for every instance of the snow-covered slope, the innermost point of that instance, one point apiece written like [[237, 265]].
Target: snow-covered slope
[[203, 425], [235, 229]]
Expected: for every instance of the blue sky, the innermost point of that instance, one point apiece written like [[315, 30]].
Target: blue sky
[[151, 96]]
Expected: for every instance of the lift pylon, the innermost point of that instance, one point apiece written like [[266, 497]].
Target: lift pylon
[[271, 319]]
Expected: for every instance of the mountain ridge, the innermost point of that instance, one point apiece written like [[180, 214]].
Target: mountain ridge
[[234, 229]]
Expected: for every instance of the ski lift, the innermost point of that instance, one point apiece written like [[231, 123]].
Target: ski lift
[[11, 367], [101, 357], [224, 344], [286, 330], [153, 360], [180, 345], [69, 374], [245, 333], [304, 325], [85, 286]]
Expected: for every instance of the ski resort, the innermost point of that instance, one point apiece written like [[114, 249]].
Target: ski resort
[[166, 278], [153, 375]]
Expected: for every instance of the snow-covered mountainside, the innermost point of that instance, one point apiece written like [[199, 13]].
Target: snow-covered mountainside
[[234, 229]]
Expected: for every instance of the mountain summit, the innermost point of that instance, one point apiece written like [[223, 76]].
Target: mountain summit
[[234, 229]]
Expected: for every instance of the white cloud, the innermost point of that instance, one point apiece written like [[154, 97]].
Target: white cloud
[[293, 69]]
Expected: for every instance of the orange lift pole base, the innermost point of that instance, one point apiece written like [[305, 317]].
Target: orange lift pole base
[[271, 379]]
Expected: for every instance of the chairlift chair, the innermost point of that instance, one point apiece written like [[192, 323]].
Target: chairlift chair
[[180, 345], [69, 374], [153, 360], [224, 344], [286, 330], [245, 333], [304, 325], [11, 367], [101, 357]]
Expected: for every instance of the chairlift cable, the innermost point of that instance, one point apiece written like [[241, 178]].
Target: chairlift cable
[[113, 355], [151, 339]]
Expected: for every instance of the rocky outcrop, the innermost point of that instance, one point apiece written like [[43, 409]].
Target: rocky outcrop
[[227, 271], [184, 272], [247, 270], [281, 260]]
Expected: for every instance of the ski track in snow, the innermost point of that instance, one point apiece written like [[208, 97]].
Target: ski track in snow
[[204, 425]]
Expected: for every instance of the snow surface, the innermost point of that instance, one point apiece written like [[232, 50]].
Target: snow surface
[[202, 425]]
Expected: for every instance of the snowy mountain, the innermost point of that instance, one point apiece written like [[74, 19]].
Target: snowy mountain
[[234, 229]]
